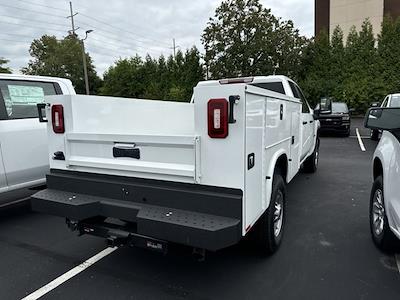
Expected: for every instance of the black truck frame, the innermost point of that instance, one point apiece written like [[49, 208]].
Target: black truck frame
[[150, 213]]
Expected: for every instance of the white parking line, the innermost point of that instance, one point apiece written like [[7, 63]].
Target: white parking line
[[71, 273], [360, 141]]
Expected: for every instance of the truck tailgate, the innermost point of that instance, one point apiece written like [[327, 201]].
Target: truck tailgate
[[149, 139]]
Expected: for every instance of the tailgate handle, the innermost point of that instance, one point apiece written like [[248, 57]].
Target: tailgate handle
[[41, 108], [126, 152], [232, 101]]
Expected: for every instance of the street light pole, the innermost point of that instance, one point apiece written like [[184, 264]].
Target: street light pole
[[85, 73]]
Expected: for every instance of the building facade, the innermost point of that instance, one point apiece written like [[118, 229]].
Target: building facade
[[346, 13]]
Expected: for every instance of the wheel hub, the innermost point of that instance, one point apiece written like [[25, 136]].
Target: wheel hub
[[378, 212], [278, 214]]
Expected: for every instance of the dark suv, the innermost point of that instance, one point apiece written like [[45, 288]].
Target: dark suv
[[337, 120]]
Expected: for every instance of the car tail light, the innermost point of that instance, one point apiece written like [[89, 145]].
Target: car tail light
[[218, 118], [57, 118]]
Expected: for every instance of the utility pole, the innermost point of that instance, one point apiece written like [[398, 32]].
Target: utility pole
[[71, 16], [173, 46], [85, 73]]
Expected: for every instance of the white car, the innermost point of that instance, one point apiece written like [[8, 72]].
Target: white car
[[385, 194], [203, 174], [392, 100], [23, 140]]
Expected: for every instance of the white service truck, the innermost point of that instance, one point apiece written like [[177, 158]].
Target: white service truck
[[202, 174], [23, 140], [385, 194]]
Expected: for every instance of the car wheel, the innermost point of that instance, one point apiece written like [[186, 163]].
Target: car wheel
[[382, 236], [311, 163], [270, 227], [374, 135]]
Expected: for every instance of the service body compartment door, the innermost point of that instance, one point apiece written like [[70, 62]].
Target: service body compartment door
[[255, 159], [295, 142]]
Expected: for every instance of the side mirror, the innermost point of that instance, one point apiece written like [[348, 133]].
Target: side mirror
[[316, 113], [375, 104], [383, 118], [325, 106]]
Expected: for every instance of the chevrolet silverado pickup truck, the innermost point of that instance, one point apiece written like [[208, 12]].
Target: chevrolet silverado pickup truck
[[23, 140], [385, 194], [204, 174]]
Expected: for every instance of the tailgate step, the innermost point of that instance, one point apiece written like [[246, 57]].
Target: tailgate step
[[181, 226]]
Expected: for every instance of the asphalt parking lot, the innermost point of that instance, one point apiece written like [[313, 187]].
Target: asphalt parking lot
[[327, 251]]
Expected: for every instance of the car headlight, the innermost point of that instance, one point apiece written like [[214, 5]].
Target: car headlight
[[346, 118]]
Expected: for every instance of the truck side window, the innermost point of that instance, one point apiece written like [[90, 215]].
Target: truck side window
[[271, 86], [384, 103], [20, 97], [305, 108], [294, 90]]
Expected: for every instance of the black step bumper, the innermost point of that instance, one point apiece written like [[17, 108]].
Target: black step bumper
[[193, 215]]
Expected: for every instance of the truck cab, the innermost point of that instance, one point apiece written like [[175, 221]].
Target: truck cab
[[203, 174], [385, 193], [23, 140]]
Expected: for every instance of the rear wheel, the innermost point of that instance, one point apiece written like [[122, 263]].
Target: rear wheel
[[382, 236], [311, 163], [270, 227]]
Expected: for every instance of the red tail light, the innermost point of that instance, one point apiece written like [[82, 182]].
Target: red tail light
[[218, 118], [57, 118]]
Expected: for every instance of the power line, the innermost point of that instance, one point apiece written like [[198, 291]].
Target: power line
[[33, 11], [42, 5], [29, 26], [113, 34], [121, 29], [31, 20]]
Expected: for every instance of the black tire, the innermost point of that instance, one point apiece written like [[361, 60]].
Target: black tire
[[267, 240], [382, 236], [347, 134], [311, 163], [374, 135]]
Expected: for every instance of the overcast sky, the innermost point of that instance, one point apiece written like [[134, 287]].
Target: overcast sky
[[121, 27]]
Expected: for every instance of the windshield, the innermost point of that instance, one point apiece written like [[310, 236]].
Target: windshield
[[339, 107], [395, 101]]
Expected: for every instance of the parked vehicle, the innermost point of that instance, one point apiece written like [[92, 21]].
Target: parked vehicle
[[202, 174], [385, 194], [23, 140], [392, 100], [336, 119]]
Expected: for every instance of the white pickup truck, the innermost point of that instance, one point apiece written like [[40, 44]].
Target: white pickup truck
[[202, 174], [23, 140], [385, 194]]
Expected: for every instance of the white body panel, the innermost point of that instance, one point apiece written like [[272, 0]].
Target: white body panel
[[174, 142], [388, 152], [3, 181], [24, 142]]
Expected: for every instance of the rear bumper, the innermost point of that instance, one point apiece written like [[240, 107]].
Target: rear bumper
[[193, 215]]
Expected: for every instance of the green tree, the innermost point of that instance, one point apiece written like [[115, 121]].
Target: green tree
[[388, 54], [362, 84], [4, 69], [314, 74], [243, 38], [62, 58], [171, 79]]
